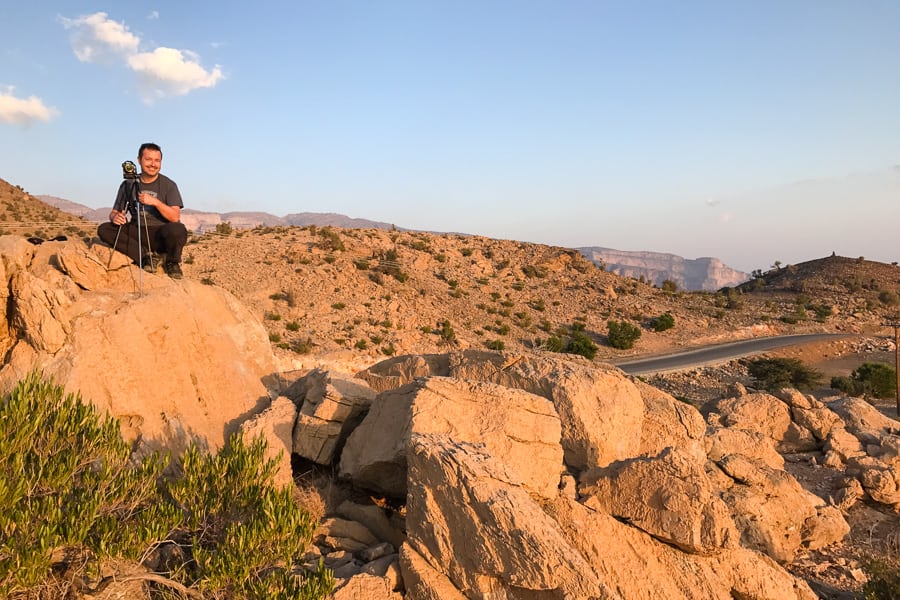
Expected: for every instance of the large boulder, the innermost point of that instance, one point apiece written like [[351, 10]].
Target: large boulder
[[174, 361], [773, 512], [331, 406], [765, 414], [668, 496], [520, 428], [476, 523]]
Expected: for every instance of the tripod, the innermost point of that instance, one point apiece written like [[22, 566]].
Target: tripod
[[132, 205]]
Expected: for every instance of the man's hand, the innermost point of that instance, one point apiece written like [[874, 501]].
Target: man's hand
[[117, 217]]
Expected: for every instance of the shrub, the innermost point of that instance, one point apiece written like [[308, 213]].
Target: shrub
[[498, 345], [883, 579], [446, 332], [869, 379], [224, 228], [662, 322], [331, 240], [669, 286], [772, 374], [622, 334], [71, 490]]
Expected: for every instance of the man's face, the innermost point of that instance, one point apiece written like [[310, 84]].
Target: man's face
[[150, 160]]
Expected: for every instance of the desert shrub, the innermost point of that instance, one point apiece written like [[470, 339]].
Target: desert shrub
[[224, 228], [301, 346], [498, 345], [446, 331], [669, 286], [888, 297], [869, 379], [537, 304], [772, 374], [69, 488], [883, 579], [331, 240], [361, 344], [534, 271], [274, 338], [569, 341], [466, 251], [339, 306], [292, 326], [581, 344], [622, 334], [662, 322]]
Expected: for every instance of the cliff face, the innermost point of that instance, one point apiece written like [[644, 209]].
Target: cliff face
[[705, 273]]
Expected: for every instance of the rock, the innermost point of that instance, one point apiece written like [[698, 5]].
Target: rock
[[183, 363], [363, 586], [275, 425], [773, 512], [331, 405], [721, 442], [374, 519], [600, 408], [864, 420], [422, 581], [668, 422], [517, 427], [668, 496], [341, 534], [463, 507]]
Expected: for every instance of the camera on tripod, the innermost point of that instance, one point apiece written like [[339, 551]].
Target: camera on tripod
[[128, 201], [129, 170]]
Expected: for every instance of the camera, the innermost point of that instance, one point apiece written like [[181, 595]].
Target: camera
[[129, 170]]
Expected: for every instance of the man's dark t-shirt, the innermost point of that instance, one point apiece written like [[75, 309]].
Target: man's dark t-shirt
[[163, 188]]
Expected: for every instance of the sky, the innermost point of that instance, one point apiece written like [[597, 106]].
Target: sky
[[752, 131]]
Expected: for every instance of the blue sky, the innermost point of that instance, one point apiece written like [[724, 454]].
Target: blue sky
[[751, 131]]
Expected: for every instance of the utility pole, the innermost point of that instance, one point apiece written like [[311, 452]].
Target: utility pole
[[895, 323]]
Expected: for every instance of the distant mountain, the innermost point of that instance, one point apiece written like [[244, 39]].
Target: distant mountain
[[705, 273], [200, 222]]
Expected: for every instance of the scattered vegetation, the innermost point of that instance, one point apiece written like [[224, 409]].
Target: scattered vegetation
[[662, 322], [622, 334], [876, 380], [773, 374], [71, 493]]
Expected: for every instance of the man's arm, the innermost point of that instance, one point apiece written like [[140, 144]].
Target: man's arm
[[169, 213]]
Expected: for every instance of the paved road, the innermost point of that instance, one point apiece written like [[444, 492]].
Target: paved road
[[711, 355]]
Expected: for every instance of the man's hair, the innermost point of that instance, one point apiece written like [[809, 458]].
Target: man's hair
[[149, 146]]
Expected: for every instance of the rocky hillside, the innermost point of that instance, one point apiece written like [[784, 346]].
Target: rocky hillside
[[706, 273], [23, 214]]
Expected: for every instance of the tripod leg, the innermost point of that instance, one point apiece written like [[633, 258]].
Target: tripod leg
[[147, 232], [113, 249]]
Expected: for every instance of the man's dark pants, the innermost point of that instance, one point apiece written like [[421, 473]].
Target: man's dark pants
[[166, 238]]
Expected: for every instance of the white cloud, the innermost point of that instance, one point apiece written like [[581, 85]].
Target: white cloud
[[96, 38], [153, 16], [24, 111], [161, 72], [170, 72]]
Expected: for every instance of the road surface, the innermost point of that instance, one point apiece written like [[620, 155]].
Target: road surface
[[711, 355]]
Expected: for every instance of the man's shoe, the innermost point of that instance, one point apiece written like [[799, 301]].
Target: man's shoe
[[148, 266], [173, 270]]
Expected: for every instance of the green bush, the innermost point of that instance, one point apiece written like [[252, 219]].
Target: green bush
[[662, 322], [883, 579], [498, 345], [869, 379], [69, 488], [772, 374], [622, 334]]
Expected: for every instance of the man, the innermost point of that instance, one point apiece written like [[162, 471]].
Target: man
[[159, 205]]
